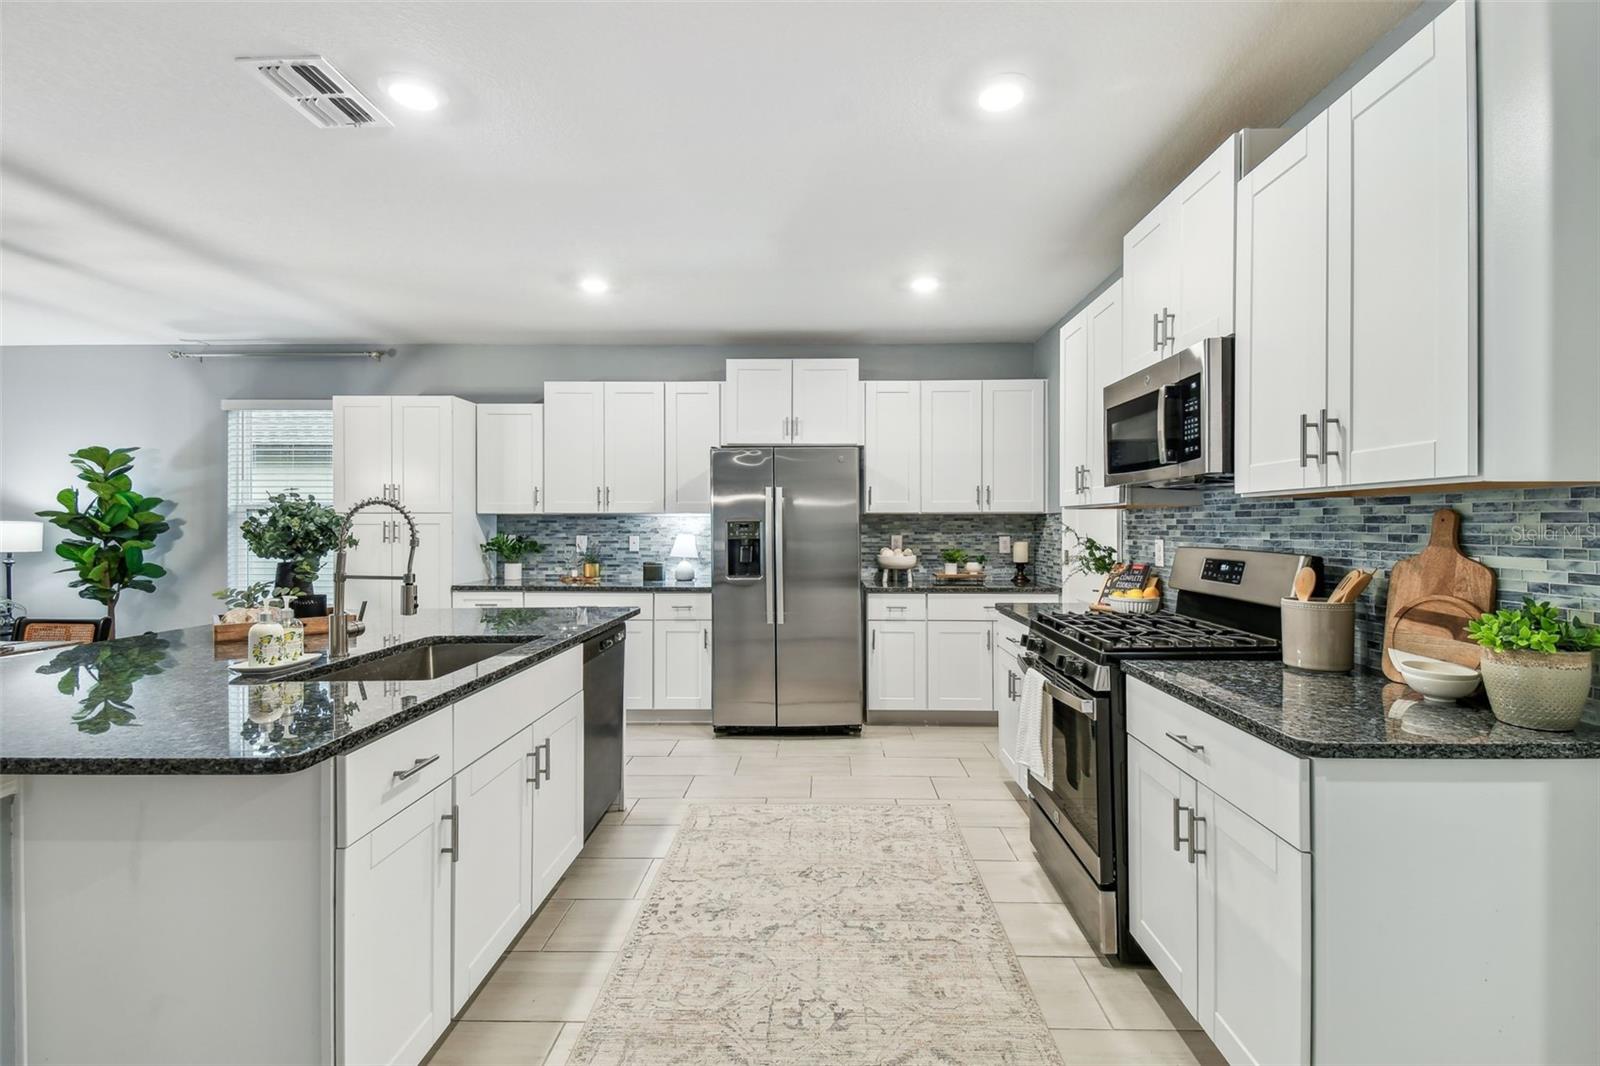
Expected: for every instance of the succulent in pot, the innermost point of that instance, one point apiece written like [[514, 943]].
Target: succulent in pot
[[1537, 667]]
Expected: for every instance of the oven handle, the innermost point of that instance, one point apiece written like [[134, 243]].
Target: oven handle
[[1063, 690]]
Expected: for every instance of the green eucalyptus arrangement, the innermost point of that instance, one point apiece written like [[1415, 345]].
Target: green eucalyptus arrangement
[[1089, 556], [108, 538], [1534, 626], [294, 529], [258, 594]]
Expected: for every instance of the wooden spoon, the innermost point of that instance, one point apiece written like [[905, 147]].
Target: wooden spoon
[[1344, 582], [1353, 586], [1304, 582]]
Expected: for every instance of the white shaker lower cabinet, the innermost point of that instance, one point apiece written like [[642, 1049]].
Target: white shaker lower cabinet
[[683, 665], [392, 954], [494, 811], [638, 666], [1162, 907], [960, 666], [557, 794], [897, 665]]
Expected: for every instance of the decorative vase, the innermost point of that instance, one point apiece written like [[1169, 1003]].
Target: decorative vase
[[974, 568], [1538, 690], [306, 604], [513, 573]]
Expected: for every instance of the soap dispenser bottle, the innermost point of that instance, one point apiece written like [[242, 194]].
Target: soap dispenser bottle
[[294, 634], [265, 640]]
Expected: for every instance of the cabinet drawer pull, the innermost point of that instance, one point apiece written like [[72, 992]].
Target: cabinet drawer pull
[[683, 606], [1182, 740], [454, 818], [416, 768]]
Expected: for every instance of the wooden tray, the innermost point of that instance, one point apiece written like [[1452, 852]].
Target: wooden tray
[[940, 575], [568, 579], [228, 632], [1433, 595]]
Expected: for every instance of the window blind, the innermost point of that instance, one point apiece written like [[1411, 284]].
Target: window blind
[[273, 450]]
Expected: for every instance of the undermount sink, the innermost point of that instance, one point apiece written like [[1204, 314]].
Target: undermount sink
[[416, 664]]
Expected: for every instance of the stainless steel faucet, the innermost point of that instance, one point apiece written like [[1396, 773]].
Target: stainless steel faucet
[[338, 625]]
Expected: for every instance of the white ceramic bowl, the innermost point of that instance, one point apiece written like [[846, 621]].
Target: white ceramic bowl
[[896, 562], [1434, 680]]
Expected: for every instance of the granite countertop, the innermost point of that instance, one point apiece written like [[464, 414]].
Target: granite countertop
[[162, 703], [1351, 716], [921, 581], [608, 583]]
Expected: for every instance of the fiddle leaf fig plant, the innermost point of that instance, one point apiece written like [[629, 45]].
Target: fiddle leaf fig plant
[[1533, 626], [109, 534]]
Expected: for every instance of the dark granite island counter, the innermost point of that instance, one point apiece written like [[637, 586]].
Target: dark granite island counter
[[356, 853]]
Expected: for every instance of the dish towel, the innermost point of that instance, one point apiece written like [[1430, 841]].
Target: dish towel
[[1033, 730]]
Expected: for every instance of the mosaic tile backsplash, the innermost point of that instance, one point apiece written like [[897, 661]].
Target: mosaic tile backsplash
[[1543, 543], [925, 533], [977, 534]]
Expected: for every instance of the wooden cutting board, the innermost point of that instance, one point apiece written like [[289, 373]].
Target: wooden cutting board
[[1432, 597]]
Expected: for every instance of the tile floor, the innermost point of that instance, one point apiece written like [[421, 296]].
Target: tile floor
[[531, 1008]]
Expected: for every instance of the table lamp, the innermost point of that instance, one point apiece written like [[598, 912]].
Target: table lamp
[[683, 549], [19, 537]]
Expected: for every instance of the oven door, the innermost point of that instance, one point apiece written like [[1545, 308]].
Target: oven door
[[1078, 802]]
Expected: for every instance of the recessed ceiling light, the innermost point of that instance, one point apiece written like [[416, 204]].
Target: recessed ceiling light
[[417, 95], [594, 285], [924, 284], [1005, 93]]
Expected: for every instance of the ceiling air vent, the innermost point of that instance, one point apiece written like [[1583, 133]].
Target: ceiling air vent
[[315, 89]]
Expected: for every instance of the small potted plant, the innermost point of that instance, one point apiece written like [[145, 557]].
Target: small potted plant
[[511, 550], [975, 564], [954, 559], [1537, 667], [299, 532]]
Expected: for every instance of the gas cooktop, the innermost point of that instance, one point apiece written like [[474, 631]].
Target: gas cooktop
[[1109, 636]]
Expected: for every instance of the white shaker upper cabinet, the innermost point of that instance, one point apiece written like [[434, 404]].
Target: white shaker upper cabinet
[[1202, 214], [424, 451], [635, 427], [892, 416], [1014, 453], [363, 439], [952, 446], [694, 427], [757, 401], [574, 447], [1073, 345], [1402, 294], [1103, 326], [1149, 270], [827, 401], [510, 458], [1281, 347]]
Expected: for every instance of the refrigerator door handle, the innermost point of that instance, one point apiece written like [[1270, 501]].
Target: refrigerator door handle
[[777, 548], [768, 580]]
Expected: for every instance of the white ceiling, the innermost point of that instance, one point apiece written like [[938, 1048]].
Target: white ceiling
[[740, 171]]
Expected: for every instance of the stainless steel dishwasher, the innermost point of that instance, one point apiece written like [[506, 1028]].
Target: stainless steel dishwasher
[[602, 725]]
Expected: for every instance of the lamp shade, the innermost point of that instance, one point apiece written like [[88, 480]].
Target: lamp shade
[[21, 536], [683, 547]]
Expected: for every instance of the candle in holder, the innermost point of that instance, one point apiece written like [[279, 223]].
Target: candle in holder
[[1019, 551]]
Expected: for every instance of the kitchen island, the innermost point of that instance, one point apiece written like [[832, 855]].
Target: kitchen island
[[309, 869]]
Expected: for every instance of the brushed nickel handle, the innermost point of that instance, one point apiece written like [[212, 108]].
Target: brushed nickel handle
[[869, 496], [1177, 838], [705, 639], [988, 494], [534, 780], [1182, 740], [416, 768], [454, 818], [608, 497], [536, 495], [977, 495], [1323, 422], [597, 497], [544, 762], [1155, 331], [1194, 820], [874, 640], [1168, 334], [988, 640], [1305, 424]]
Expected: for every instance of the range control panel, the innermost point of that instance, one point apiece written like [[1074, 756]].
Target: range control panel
[[1230, 571]]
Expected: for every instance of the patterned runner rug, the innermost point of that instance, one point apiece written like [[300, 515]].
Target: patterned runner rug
[[817, 935]]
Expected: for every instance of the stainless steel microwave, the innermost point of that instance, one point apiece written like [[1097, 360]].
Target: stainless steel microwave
[[1172, 423]]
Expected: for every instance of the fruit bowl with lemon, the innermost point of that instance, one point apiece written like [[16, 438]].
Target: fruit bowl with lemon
[[1145, 600]]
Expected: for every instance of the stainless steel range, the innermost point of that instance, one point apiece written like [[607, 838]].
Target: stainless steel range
[[1227, 608]]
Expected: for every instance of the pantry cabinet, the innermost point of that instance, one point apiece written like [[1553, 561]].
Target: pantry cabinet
[[493, 860], [792, 401], [604, 447], [693, 428], [392, 931], [892, 452], [1091, 358], [510, 458]]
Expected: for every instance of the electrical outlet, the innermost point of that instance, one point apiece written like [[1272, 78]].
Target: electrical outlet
[[897, 541], [583, 543], [633, 542], [1161, 551], [1005, 545]]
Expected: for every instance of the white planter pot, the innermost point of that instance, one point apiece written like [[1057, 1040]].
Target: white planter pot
[[974, 568], [513, 573], [949, 568], [1536, 690]]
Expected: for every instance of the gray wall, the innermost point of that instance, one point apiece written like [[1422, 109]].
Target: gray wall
[[56, 399]]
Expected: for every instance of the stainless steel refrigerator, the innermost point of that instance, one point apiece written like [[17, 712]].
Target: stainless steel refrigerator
[[786, 588]]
